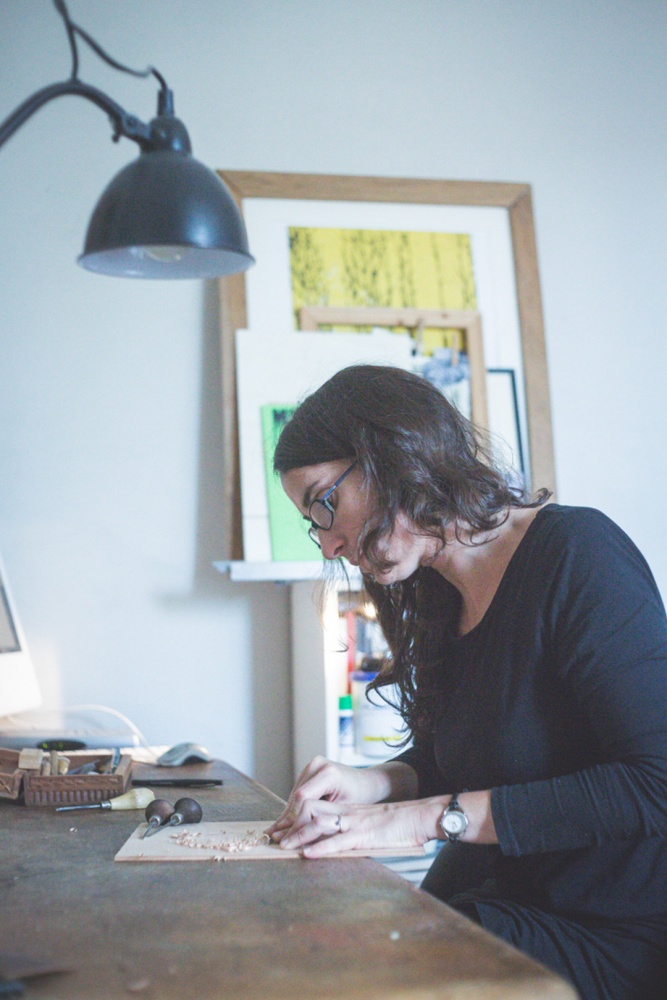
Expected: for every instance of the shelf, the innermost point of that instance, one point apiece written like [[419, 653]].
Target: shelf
[[279, 572]]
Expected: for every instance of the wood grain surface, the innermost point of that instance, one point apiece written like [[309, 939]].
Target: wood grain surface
[[209, 842]]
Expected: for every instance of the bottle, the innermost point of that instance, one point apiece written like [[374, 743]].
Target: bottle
[[378, 727], [345, 727]]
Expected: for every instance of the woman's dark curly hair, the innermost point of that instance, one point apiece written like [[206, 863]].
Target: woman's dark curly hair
[[417, 455]]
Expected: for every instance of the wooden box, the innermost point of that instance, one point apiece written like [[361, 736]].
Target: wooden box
[[65, 789]]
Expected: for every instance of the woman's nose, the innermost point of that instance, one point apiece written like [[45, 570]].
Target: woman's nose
[[331, 544]]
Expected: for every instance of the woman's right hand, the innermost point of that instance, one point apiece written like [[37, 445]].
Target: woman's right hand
[[324, 779]]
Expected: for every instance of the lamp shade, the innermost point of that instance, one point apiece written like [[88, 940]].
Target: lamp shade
[[166, 215]]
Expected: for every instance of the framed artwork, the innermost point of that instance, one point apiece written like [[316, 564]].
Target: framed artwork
[[275, 369], [324, 241], [464, 384], [503, 409]]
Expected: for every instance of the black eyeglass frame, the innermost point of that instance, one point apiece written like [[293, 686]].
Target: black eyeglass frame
[[323, 501]]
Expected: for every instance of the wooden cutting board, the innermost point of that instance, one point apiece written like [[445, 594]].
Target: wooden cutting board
[[225, 841]]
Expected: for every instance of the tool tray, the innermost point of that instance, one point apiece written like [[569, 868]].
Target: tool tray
[[64, 789]]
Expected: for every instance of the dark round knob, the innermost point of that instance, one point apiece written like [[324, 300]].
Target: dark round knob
[[186, 811], [160, 810]]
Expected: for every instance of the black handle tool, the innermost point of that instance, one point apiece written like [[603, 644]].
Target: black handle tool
[[185, 811], [158, 813]]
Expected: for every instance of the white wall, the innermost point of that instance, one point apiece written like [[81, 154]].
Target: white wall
[[110, 431]]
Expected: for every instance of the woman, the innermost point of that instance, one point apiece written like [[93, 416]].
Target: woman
[[529, 647]]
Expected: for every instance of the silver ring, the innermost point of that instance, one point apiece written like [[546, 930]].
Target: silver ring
[[337, 823]]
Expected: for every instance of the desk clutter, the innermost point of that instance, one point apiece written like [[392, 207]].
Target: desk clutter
[[53, 778]]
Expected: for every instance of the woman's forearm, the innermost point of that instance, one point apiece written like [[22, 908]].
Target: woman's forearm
[[477, 807], [393, 781], [396, 781]]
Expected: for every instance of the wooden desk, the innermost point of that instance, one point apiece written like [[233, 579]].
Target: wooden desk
[[271, 930]]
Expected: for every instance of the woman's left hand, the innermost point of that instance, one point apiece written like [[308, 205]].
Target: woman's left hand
[[321, 828]]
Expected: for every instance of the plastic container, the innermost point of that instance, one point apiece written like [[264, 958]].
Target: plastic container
[[378, 728], [345, 722]]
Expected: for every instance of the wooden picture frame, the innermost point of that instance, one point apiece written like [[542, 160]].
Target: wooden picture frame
[[514, 199], [468, 322]]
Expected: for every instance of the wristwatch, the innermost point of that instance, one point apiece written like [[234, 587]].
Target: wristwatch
[[453, 821]]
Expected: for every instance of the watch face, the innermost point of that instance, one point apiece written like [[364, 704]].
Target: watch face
[[454, 822]]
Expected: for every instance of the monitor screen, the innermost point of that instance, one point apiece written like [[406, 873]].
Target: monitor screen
[[9, 641], [19, 689]]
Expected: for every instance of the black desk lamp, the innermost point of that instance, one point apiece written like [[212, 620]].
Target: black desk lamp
[[163, 216]]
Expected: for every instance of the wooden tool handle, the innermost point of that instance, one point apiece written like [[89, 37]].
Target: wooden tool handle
[[136, 798], [160, 810], [186, 811]]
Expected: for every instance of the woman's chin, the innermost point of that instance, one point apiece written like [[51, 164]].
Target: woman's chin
[[382, 576], [395, 573]]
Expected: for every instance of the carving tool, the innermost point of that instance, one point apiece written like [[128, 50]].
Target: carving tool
[[137, 798], [110, 765], [103, 765], [185, 811], [90, 768], [157, 814]]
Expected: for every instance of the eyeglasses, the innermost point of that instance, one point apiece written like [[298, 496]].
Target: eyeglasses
[[321, 513]]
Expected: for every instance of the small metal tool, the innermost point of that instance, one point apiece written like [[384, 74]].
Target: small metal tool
[[157, 814], [186, 811], [89, 768], [103, 765], [110, 765]]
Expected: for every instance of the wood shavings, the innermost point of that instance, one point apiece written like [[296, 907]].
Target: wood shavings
[[228, 844], [138, 985]]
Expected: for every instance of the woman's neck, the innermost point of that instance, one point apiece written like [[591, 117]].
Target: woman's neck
[[475, 564]]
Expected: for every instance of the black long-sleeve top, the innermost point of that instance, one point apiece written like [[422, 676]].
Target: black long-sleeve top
[[557, 702]]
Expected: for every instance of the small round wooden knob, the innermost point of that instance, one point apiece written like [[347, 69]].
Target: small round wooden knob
[[161, 810], [186, 811]]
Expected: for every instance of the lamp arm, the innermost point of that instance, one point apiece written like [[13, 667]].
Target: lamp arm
[[124, 124]]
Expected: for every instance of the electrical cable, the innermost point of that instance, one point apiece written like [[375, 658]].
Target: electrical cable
[[119, 715], [37, 725], [74, 29], [62, 10]]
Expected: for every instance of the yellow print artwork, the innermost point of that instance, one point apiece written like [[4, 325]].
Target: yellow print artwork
[[392, 269]]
